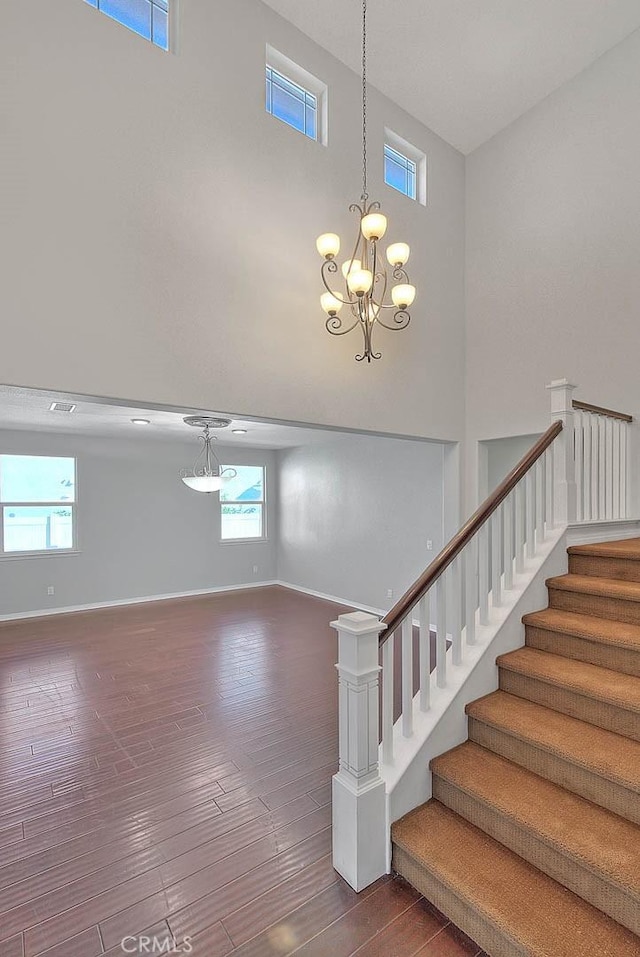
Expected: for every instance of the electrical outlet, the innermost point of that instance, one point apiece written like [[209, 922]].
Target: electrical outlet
[[389, 592], [51, 590], [255, 569], [429, 545]]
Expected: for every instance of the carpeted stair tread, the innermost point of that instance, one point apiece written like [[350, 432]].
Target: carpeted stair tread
[[628, 548], [581, 832], [535, 915], [604, 753], [586, 626], [611, 687], [602, 587]]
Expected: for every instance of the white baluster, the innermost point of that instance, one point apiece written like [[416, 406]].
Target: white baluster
[[520, 519], [578, 433], [358, 791], [623, 470], [387, 699], [425, 653], [539, 484], [595, 467], [587, 469], [507, 541], [407, 676], [530, 500], [441, 631], [456, 608], [602, 464], [471, 588], [608, 433], [615, 463], [496, 547], [549, 454], [483, 574]]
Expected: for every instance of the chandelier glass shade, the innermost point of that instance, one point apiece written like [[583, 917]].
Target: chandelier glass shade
[[206, 475], [372, 293]]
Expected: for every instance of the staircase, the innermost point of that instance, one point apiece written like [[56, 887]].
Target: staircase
[[531, 842]]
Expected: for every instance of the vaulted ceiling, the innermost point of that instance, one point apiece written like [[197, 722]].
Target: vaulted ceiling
[[467, 68]]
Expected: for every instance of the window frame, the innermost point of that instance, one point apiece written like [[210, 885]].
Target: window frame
[[172, 15], [309, 84], [262, 502], [407, 151], [47, 552]]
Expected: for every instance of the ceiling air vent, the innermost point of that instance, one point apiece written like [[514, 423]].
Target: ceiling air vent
[[62, 407]]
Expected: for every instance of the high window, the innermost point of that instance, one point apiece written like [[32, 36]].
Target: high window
[[242, 504], [404, 167], [148, 18], [37, 504], [295, 96]]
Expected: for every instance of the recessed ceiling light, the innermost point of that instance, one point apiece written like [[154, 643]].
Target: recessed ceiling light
[[141, 421], [239, 431], [62, 407]]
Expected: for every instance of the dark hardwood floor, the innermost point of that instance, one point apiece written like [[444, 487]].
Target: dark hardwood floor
[[165, 771]]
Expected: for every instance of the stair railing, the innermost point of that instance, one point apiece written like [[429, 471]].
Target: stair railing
[[458, 591], [576, 472], [466, 580], [601, 442]]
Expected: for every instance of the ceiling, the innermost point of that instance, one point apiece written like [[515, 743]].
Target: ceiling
[[29, 410], [467, 68]]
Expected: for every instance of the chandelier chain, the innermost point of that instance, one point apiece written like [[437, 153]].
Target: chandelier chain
[[365, 194]]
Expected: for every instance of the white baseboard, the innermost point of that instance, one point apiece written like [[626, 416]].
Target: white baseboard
[[70, 609], [92, 606], [587, 533], [333, 598]]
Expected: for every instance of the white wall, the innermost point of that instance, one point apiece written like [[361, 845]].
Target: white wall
[[553, 253], [141, 531], [162, 227], [497, 457], [356, 514]]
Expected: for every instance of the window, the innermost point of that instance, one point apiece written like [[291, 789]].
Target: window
[[295, 96], [37, 504], [291, 103], [242, 504], [148, 18], [404, 167], [399, 172]]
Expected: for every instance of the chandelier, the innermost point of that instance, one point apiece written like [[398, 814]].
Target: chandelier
[[207, 475], [366, 280]]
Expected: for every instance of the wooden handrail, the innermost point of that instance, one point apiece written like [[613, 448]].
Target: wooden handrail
[[422, 585], [598, 410]]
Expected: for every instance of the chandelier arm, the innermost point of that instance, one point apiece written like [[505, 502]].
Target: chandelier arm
[[334, 326], [380, 305], [359, 237], [400, 274], [402, 320], [329, 265]]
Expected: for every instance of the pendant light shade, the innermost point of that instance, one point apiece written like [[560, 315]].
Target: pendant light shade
[[207, 475]]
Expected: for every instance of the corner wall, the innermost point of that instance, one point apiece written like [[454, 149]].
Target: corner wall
[[356, 514]]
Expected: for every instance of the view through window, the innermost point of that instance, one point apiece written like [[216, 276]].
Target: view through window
[[291, 103], [242, 502], [148, 18], [37, 495]]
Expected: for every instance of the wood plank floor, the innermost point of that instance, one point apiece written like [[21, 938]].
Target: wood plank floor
[[165, 771]]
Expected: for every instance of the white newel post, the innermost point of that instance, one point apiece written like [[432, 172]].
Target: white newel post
[[359, 806], [565, 491]]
